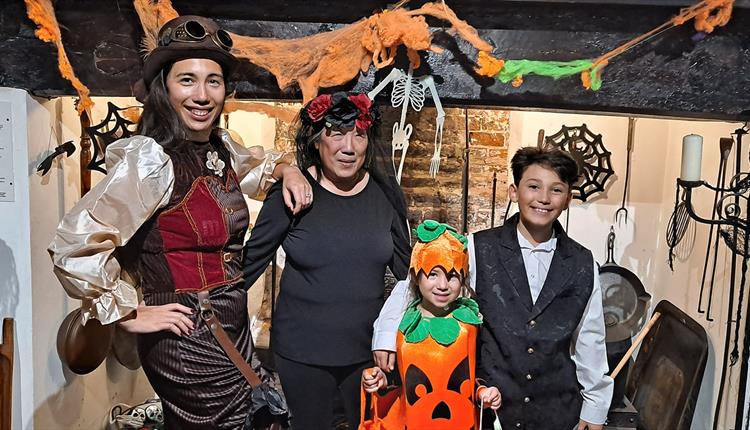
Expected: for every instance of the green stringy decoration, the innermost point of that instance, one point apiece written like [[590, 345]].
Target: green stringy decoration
[[444, 330], [553, 69]]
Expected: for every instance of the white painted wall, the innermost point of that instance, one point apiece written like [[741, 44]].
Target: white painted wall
[[640, 245], [15, 263], [45, 394]]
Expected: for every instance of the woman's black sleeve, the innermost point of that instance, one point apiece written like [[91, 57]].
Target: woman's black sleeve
[[267, 235], [401, 247]]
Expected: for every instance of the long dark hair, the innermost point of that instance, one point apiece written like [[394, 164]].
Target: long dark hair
[[159, 120]]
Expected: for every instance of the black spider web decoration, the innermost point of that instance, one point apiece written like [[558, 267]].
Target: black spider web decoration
[[592, 157], [112, 128]]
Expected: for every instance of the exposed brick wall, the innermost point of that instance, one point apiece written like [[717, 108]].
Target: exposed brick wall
[[440, 198]]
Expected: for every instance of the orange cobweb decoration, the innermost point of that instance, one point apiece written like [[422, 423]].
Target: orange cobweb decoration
[[336, 57], [43, 14]]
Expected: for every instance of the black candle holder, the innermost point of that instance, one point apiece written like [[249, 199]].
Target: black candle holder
[[729, 209]]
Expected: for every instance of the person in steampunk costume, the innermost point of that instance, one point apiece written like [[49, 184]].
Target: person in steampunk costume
[[171, 214]]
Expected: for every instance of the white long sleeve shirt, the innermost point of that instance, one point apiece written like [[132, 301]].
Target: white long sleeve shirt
[[587, 349]]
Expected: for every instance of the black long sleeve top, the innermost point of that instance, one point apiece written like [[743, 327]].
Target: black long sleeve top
[[332, 286]]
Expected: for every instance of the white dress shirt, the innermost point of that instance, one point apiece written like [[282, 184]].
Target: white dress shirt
[[587, 349]]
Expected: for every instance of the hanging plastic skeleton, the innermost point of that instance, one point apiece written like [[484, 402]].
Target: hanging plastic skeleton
[[114, 126], [592, 157], [410, 91]]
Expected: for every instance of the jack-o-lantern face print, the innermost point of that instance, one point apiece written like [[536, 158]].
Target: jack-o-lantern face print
[[439, 384]]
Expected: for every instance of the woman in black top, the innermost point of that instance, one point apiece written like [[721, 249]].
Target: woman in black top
[[337, 252]]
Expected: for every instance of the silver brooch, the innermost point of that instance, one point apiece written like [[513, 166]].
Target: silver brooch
[[214, 163]]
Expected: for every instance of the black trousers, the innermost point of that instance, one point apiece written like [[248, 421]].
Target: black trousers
[[310, 391]]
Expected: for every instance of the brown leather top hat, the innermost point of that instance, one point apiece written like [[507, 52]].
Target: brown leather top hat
[[189, 36], [83, 347]]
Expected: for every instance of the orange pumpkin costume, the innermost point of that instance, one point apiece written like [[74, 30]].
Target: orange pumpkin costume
[[436, 356]]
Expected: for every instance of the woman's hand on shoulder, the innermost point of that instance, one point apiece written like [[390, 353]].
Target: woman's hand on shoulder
[[490, 397], [296, 189], [373, 379], [150, 319]]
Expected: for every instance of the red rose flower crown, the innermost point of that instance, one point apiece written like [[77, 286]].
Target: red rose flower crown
[[340, 110]]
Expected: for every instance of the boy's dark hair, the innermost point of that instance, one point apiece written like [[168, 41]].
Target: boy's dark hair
[[552, 158]]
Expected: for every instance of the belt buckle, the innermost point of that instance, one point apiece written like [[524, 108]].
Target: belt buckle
[[227, 256]]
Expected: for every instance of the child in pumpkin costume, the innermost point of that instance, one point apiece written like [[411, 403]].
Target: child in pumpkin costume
[[436, 345]]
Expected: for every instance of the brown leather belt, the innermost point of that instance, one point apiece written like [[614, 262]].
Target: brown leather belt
[[229, 256], [209, 316]]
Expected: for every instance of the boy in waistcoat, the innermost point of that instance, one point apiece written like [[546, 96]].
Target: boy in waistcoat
[[542, 341]]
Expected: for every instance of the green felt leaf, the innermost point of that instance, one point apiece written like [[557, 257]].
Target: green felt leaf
[[444, 330], [429, 230], [410, 319], [469, 303], [467, 315], [419, 333]]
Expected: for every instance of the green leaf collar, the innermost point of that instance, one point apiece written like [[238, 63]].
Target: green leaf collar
[[444, 330]]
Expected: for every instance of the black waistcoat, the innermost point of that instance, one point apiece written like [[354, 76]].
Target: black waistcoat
[[525, 348]]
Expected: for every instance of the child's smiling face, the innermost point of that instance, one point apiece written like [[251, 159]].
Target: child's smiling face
[[541, 197], [438, 290]]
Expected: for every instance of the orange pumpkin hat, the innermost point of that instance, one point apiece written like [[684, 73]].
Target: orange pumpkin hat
[[439, 245]]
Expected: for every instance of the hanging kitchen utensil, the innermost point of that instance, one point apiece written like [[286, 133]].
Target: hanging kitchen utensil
[[623, 210], [465, 178], [540, 139], [725, 147], [625, 300], [625, 303], [735, 354], [594, 164], [492, 201], [85, 156], [677, 227]]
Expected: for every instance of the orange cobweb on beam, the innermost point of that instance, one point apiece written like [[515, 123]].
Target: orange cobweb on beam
[[336, 57], [284, 114], [153, 14], [48, 30]]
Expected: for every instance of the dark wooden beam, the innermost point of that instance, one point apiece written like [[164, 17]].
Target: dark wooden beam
[[674, 74]]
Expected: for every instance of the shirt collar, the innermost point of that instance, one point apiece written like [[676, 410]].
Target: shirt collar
[[547, 246]]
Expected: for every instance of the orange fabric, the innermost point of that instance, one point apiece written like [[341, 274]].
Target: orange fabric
[[43, 14], [450, 372], [336, 57], [708, 14], [488, 65], [153, 14], [446, 251], [385, 412], [132, 114]]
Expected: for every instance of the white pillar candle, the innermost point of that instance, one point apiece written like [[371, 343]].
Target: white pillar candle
[[692, 150]]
